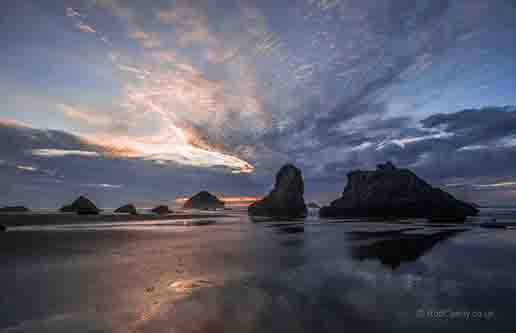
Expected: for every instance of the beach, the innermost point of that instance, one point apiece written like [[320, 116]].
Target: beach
[[54, 218], [232, 275]]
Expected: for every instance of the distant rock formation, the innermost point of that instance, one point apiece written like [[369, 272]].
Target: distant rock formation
[[127, 209], [286, 199], [81, 206], [399, 193], [14, 209], [203, 200], [313, 205], [161, 210]]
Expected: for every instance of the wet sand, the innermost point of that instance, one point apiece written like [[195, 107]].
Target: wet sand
[[27, 219], [236, 276]]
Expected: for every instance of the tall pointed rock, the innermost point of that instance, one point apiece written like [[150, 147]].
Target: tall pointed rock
[[286, 199]]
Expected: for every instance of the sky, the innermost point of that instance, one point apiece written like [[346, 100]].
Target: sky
[[125, 100]]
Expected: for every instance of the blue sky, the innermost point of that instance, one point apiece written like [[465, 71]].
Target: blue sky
[[231, 90]]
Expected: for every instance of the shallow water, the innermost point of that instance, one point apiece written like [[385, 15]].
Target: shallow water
[[231, 275]]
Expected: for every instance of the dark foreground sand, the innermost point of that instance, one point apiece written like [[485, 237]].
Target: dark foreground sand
[[236, 276]]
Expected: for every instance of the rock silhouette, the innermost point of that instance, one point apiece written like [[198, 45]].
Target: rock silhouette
[[81, 206], [286, 199], [203, 200], [3, 228], [399, 193], [128, 209], [161, 210], [14, 209]]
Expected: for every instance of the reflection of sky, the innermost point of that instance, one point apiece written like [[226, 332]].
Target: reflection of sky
[[314, 284], [235, 276], [250, 85]]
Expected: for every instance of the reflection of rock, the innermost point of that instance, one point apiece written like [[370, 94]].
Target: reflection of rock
[[392, 192], [161, 210], [286, 199], [405, 247], [291, 229], [128, 209], [203, 200], [81, 206], [14, 209]]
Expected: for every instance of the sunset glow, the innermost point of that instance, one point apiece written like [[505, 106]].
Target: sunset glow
[[229, 201]]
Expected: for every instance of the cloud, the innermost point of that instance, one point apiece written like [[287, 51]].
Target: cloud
[[167, 56], [489, 124], [85, 28], [70, 12], [104, 186], [191, 23], [130, 69], [145, 39], [328, 85], [63, 165], [496, 185], [84, 115], [63, 152]]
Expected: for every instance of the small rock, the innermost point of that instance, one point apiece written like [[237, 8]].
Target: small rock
[[14, 209], [81, 206], [203, 200], [128, 209]]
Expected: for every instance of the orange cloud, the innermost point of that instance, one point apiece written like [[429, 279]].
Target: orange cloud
[[85, 28]]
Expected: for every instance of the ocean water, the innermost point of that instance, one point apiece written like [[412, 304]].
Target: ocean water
[[229, 274]]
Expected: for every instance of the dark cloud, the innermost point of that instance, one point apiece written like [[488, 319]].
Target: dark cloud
[[474, 147], [474, 126]]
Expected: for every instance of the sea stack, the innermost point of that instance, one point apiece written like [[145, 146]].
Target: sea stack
[[286, 199], [203, 200], [389, 192], [81, 206], [161, 210], [127, 209]]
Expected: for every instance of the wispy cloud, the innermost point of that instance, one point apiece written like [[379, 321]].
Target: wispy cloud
[[191, 23], [85, 115], [165, 56], [62, 152], [70, 12], [85, 28], [27, 168], [148, 41], [496, 185], [111, 186]]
